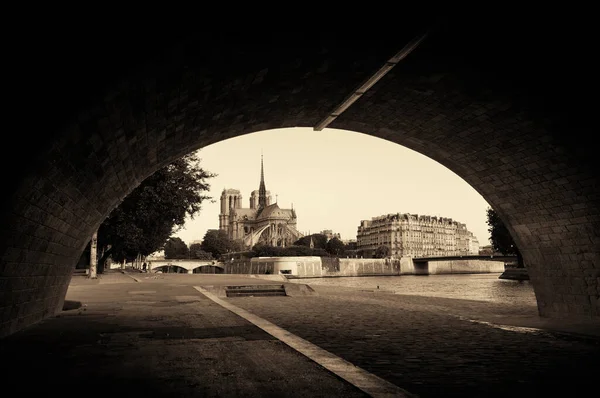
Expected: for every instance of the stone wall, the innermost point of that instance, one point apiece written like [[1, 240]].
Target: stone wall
[[274, 265], [517, 132], [465, 267], [348, 267], [311, 267], [239, 267]]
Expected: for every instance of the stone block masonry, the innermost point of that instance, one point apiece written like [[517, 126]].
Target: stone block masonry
[[517, 132], [311, 267], [465, 267]]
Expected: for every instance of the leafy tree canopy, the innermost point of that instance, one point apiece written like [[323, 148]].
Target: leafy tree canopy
[[176, 248], [500, 238], [196, 252], [335, 247], [261, 250], [154, 210], [382, 251], [319, 241], [217, 243]]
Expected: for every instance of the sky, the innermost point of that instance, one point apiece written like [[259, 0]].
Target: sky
[[334, 179]]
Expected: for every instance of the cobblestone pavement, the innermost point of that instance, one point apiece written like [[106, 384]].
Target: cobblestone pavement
[[156, 340], [112, 276], [437, 347]]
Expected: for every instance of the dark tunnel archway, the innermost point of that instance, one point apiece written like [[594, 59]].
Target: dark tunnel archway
[[495, 106]]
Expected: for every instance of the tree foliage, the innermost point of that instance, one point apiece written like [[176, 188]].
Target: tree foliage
[[500, 238], [261, 250], [335, 247], [196, 252], [319, 241], [175, 248], [217, 243], [351, 246], [154, 210], [382, 251]]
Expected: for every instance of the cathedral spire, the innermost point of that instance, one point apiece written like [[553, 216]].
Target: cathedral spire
[[262, 170], [262, 190]]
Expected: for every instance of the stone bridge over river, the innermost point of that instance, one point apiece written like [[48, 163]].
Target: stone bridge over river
[[503, 104], [187, 266]]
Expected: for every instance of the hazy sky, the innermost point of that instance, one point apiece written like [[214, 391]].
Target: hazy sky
[[334, 179]]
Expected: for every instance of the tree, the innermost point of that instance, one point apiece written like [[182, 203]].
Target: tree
[[335, 247], [154, 210], [319, 241], [196, 252], [176, 248], [500, 238], [217, 243], [262, 250], [382, 251]]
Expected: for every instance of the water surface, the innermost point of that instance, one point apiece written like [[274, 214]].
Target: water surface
[[482, 287]]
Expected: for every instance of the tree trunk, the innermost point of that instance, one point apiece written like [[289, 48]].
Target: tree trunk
[[520, 263], [93, 255], [105, 256], [101, 264]]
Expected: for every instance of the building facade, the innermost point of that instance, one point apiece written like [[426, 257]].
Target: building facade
[[416, 236], [262, 223]]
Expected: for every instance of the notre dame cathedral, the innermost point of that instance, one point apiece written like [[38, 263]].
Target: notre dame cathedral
[[264, 222]]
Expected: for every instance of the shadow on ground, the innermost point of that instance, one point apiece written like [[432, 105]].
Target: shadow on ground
[[71, 305]]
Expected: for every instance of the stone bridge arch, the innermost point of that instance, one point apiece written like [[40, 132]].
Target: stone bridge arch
[[190, 266], [494, 105], [173, 268]]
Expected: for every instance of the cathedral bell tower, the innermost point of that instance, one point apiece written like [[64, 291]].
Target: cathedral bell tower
[[231, 199]]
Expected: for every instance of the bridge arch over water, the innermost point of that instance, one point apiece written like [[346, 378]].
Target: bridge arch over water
[[186, 266], [508, 118], [169, 269]]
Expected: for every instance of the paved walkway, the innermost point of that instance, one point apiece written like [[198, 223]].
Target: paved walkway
[[159, 336], [441, 347], [157, 340]]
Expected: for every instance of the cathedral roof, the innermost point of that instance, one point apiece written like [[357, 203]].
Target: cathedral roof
[[250, 214], [273, 210]]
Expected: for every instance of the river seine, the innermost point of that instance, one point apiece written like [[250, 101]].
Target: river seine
[[482, 287]]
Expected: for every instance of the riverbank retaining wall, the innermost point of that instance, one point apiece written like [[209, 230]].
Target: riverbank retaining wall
[[465, 267], [311, 267]]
